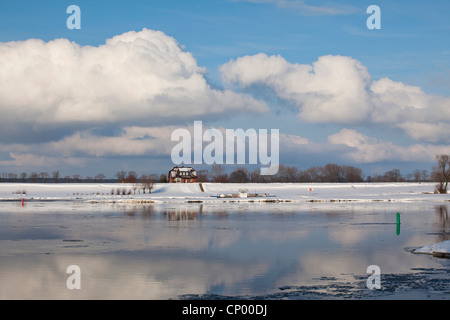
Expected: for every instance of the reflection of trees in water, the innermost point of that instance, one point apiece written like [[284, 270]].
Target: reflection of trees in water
[[182, 213], [192, 213], [145, 211], [442, 212], [220, 214]]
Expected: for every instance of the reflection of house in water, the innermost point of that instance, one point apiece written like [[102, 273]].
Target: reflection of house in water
[[183, 213]]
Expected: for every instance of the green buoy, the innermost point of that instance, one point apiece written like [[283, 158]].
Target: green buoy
[[398, 223]]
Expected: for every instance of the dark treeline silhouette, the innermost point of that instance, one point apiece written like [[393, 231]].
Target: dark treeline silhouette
[[329, 173], [217, 173], [54, 177], [133, 177]]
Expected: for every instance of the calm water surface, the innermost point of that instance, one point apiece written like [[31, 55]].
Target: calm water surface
[[172, 251]]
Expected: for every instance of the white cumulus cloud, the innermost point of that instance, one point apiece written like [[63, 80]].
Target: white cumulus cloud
[[365, 149], [333, 89], [340, 90], [134, 78]]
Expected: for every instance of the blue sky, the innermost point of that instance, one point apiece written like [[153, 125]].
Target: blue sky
[[411, 52], [216, 30]]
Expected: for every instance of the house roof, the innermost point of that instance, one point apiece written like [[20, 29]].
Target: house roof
[[183, 169], [183, 172]]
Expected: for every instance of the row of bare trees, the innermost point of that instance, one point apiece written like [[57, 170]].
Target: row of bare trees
[[144, 182], [45, 177], [329, 173], [132, 177], [394, 175]]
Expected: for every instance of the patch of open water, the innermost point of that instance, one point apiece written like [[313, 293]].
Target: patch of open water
[[221, 251]]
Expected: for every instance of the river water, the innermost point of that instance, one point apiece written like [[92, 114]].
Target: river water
[[219, 251]]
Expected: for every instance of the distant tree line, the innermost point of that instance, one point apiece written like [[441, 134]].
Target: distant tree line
[[394, 175], [328, 173], [54, 177], [132, 177]]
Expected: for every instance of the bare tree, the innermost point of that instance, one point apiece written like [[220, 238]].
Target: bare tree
[[353, 174], [217, 170], [291, 174], [147, 182], [285, 174], [33, 177], [55, 176], [44, 176], [100, 177], [393, 175], [441, 173], [23, 176], [312, 174], [131, 177], [162, 178], [218, 173], [420, 175], [332, 172], [240, 175], [12, 177], [203, 175], [121, 175], [255, 176]]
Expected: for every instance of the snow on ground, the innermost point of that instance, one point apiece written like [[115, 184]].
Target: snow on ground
[[219, 192], [440, 248]]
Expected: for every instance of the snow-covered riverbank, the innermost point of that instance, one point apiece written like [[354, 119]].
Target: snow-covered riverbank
[[436, 249], [218, 192]]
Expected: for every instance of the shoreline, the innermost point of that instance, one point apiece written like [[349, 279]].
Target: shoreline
[[206, 201], [223, 193]]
